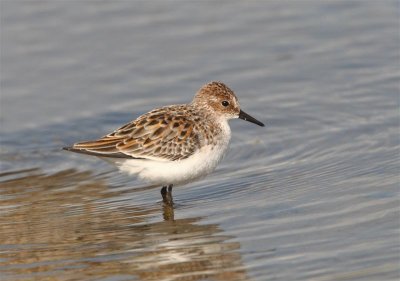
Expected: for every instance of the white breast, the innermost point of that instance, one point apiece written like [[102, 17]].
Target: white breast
[[184, 171]]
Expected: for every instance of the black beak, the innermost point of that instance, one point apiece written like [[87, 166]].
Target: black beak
[[243, 115]]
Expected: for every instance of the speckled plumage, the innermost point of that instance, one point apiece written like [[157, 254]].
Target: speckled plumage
[[167, 133]]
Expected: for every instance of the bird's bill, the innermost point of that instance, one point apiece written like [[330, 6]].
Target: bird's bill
[[243, 115]]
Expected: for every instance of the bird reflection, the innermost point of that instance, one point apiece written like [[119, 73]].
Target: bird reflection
[[168, 212], [70, 223]]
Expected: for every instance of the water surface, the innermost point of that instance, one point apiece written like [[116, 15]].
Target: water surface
[[312, 196]]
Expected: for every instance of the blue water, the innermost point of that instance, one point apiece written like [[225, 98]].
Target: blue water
[[312, 196]]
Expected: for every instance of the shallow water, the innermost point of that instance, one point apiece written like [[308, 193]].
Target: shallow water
[[312, 196]]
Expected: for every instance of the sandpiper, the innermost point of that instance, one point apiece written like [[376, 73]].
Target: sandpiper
[[176, 144]]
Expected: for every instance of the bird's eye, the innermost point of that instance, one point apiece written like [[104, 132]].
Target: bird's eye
[[225, 103]]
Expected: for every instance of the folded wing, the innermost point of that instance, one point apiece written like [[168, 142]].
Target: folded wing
[[164, 134]]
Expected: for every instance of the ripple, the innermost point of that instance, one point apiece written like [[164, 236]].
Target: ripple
[[312, 196]]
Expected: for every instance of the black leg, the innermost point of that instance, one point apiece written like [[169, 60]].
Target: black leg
[[164, 192], [167, 195]]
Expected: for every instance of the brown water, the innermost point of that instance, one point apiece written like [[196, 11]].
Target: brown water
[[312, 196], [77, 230]]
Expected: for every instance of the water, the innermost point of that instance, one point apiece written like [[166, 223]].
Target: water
[[312, 196]]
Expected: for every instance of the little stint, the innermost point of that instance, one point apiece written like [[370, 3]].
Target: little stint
[[175, 144]]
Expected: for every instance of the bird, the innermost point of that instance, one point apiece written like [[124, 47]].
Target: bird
[[175, 144]]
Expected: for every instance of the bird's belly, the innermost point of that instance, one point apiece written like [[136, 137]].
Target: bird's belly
[[184, 171]]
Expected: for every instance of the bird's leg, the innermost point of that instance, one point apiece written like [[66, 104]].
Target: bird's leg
[[167, 195]]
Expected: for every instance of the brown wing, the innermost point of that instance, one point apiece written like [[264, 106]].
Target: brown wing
[[165, 134]]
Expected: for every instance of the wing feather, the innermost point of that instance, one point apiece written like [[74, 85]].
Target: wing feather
[[164, 134]]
